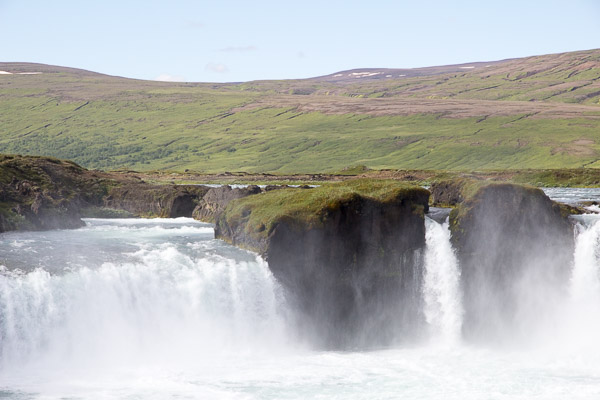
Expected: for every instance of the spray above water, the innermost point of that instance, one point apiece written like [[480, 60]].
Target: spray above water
[[165, 303], [585, 281], [581, 323], [133, 309]]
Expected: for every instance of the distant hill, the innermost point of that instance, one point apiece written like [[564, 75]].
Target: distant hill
[[535, 112], [368, 74]]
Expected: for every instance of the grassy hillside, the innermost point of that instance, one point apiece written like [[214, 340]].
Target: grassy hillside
[[538, 112]]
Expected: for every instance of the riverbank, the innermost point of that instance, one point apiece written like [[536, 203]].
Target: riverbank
[[580, 177]]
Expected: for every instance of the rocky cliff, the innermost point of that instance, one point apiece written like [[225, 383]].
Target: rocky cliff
[[144, 200], [39, 193], [216, 199], [507, 237], [348, 255]]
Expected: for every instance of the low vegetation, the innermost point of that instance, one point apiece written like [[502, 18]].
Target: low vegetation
[[534, 113], [259, 214]]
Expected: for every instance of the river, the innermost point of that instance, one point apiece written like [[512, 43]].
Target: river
[[159, 309]]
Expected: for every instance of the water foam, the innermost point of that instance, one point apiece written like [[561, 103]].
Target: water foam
[[580, 322], [194, 318], [441, 285], [163, 306]]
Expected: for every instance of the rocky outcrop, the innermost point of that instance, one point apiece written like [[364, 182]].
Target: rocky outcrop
[[509, 240], [168, 201], [349, 257], [46, 212], [448, 193], [216, 199], [39, 193]]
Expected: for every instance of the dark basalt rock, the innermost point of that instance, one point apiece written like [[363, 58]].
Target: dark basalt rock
[[268, 188], [46, 213], [354, 274], [509, 240], [438, 214], [168, 201], [356, 279], [40, 193], [216, 199], [448, 193]]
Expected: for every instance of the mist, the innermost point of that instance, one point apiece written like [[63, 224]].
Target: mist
[[196, 315]]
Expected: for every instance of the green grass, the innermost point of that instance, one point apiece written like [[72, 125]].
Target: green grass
[[260, 213], [186, 136], [109, 123], [560, 178]]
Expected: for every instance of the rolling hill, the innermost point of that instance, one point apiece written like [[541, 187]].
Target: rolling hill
[[535, 112]]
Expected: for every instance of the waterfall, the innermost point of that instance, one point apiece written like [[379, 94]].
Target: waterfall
[[441, 285], [161, 310], [585, 281], [582, 314], [161, 305]]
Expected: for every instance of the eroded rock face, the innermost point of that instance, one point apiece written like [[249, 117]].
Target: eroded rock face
[[40, 193], [355, 278], [447, 193], [216, 199], [48, 213], [511, 240], [168, 201]]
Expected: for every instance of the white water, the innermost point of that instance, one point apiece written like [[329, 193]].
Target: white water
[[157, 309], [572, 195], [159, 306], [585, 282], [441, 285], [173, 297], [581, 324]]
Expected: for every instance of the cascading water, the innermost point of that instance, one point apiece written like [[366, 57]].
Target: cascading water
[[585, 282], [182, 300], [441, 285], [581, 324], [161, 303], [158, 309]]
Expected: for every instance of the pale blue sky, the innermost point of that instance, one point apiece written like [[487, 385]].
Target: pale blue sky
[[262, 39]]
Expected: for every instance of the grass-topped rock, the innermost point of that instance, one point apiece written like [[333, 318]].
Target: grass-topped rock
[[45, 193], [39, 193], [250, 222], [507, 237], [347, 253]]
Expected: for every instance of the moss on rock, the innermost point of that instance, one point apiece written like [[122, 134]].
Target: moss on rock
[[347, 253], [506, 236], [39, 193], [257, 216]]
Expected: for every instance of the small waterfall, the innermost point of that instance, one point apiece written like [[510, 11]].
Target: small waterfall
[[441, 284], [583, 310], [162, 306], [585, 281]]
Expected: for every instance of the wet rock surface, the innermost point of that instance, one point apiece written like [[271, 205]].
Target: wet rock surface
[[509, 238], [168, 201], [40, 193], [354, 272], [216, 199]]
